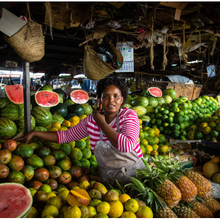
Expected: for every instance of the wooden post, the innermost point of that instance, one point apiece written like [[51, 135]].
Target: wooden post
[[27, 103]]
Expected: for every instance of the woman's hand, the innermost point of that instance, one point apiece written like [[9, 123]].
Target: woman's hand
[[99, 117], [26, 138]]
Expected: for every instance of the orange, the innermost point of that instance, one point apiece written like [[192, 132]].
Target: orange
[[103, 207], [144, 212], [131, 205], [116, 209], [128, 214], [123, 198]]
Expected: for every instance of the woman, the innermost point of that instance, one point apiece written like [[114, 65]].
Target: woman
[[113, 133]]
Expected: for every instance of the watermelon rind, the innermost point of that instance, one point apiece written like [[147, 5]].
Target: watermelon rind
[[61, 92], [15, 93], [58, 118], [3, 102], [87, 109], [154, 92], [152, 101], [16, 187], [59, 109], [80, 99], [47, 98], [140, 101], [76, 109], [45, 88]]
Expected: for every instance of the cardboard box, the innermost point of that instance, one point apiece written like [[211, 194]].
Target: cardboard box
[[191, 91]]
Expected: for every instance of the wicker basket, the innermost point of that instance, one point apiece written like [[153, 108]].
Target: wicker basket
[[28, 42], [95, 68]]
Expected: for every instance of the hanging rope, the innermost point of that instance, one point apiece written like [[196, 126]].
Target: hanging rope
[[49, 12], [152, 46], [164, 52]]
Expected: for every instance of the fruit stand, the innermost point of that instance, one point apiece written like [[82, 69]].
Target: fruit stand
[[62, 180]]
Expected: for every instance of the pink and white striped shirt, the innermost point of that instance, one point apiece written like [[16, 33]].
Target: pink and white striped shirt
[[127, 139]]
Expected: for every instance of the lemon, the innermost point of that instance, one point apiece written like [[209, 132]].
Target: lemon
[[50, 210], [72, 212]]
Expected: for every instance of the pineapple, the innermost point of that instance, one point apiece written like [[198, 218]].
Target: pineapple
[[157, 181], [185, 212], [212, 204], [187, 189], [173, 169], [202, 184], [154, 201], [201, 209], [169, 192]]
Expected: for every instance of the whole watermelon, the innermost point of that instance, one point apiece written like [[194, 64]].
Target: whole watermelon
[[140, 110], [87, 109], [76, 109], [152, 101], [59, 109], [170, 92], [42, 115], [20, 123], [140, 101], [10, 111], [8, 128], [3, 102], [61, 92]]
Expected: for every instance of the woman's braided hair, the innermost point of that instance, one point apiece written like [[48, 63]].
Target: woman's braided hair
[[107, 81]]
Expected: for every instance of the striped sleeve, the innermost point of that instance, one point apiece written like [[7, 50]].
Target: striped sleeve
[[127, 140], [75, 133]]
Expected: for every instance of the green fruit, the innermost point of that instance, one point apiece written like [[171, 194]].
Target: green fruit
[[42, 115], [35, 161], [77, 109], [170, 92], [24, 150], [8, 128], [59, 109], [140, 101], [140, 110]]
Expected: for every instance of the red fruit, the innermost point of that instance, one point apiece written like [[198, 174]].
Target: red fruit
[[65, 178], [16, 163], [10, 145], [35, 184], [5, 156], [41, 174], [4, 171], [52, 183], [75, 171]]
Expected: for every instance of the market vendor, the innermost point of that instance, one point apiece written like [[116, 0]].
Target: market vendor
[[113, 133]]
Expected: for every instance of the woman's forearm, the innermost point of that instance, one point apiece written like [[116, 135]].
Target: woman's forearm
[[47, 136], [110, 133]]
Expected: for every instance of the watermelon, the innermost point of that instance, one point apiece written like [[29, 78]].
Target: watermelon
[[76, 109], [60, 98], [15, 93], [68, 102], [69, 116], [8, 128], [10, 112], [152, 101], [42, 115], [145, 118], [46, 98], [61, 92], [3, 102], [59, 109], [20, 108], [167, 99], [129, 99], [160, 100], [170, 92], [140, 110], [140, 101], [79, 96], [16, 200], [45, 88], [87, 109], [126, 105], [20, 123], [154, 91], [39, 128], [58, 118]]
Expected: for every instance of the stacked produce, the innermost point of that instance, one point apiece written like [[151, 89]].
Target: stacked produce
[[171, 191]]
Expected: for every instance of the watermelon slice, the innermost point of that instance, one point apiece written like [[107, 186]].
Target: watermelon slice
[[15, 93], [15, 200], [154, 91], [47, 98], [79, 96]]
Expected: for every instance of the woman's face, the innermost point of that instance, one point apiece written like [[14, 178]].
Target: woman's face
[[112, 99]]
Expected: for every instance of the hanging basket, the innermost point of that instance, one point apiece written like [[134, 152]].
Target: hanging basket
[[95, 68], [28, 42]]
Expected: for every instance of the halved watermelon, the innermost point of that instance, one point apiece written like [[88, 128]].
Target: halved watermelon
[[47, 98], [79, 96], [154, 91], [15, 93], [16, 200]]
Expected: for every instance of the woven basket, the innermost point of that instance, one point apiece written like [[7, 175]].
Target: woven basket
[[95, 68], [28, 42]]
